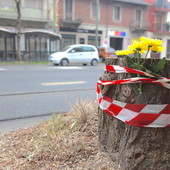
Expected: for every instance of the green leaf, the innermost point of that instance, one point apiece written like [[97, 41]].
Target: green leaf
[[152, 66], [129, 60], [139, 67], [160, 65], [152, 73]]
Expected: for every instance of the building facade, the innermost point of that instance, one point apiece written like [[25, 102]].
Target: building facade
[[43, 21], [159, 24], [38, 34], [119, 21]]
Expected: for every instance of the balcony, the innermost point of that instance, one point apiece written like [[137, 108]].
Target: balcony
[[27, 14], [162, 5], [162, 28], [70, 20], [139, 26]]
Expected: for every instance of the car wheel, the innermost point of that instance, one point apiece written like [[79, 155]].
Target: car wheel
[[94, 62], [64, 62], [55, 64]]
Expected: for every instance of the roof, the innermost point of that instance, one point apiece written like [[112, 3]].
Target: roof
[[137, 2], [82, 45], [6, 30], [42, 31]]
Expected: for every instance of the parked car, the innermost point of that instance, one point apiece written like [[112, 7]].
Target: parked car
[[79, 53], [106, 52]]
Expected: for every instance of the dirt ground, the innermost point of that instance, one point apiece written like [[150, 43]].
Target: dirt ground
[[65, 142]]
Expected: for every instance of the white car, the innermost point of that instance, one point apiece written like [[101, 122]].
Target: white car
[[79, 53]]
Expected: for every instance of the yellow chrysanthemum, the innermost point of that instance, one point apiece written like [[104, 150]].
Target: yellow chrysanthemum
[[157, 49], [142, 45], [137, 46], [124, 52], [150, 42], [142, 51]]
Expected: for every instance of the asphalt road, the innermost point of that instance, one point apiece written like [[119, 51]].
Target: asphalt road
[[31, 93]]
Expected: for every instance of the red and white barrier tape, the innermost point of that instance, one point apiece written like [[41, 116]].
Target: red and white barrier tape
[[144, 115]]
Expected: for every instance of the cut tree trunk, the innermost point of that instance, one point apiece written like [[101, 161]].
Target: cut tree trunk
[[132, 147]]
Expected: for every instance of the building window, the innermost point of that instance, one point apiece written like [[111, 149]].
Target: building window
[[68, 40], [2, 44], [55, 45], [68, 9], [7, 46], [159, 22], [32, 44], [7, 4], [10, 44], [92, 40], [44, 44], [117, 14], [138, 17], [37, 4], [94, 10]]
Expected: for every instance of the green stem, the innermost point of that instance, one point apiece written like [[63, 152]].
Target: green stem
[[146, 55], [151, 60], [140, 88], [138, 58], [138, 61]]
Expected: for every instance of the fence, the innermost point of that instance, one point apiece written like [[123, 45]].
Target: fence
[[25, 56]]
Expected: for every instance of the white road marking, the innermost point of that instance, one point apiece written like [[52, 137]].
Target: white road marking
[[2, 69], [62, 83], [68, 68]]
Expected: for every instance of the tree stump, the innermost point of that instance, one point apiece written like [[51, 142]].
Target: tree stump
[[132, 147]]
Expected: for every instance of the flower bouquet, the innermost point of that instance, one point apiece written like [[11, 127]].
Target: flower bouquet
[[137, 53]]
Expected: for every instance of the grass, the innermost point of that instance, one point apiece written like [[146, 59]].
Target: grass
[[66, 141]]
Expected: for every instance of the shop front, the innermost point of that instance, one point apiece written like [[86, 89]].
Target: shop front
[[117, 39], [35, 45], [39, 44], [7, 45], [79, 36]]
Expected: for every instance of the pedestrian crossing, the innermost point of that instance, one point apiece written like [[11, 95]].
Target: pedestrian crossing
[[2, 69], [68, 68], [63, 83]]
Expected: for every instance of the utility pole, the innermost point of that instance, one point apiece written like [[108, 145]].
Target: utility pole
[[97, 23]]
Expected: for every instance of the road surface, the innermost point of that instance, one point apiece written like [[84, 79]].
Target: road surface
[[31, 93]]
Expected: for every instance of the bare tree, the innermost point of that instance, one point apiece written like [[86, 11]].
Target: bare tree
[[18, 7]]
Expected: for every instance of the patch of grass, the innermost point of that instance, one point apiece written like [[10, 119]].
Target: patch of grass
[[66, 141], [82, 109]]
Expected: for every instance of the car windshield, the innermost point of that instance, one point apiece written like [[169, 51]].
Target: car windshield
[[65, 48], [111, 50]]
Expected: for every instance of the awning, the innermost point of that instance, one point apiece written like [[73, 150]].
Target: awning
[[6, 31], [46, 32]]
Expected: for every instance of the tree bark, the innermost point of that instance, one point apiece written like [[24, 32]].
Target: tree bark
[[18, 6], [132, 147]]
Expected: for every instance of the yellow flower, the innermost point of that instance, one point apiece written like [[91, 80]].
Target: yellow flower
[[150, 42], [124, 52], [142, 51], [137, 46], [142, 45], [157, 49]]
